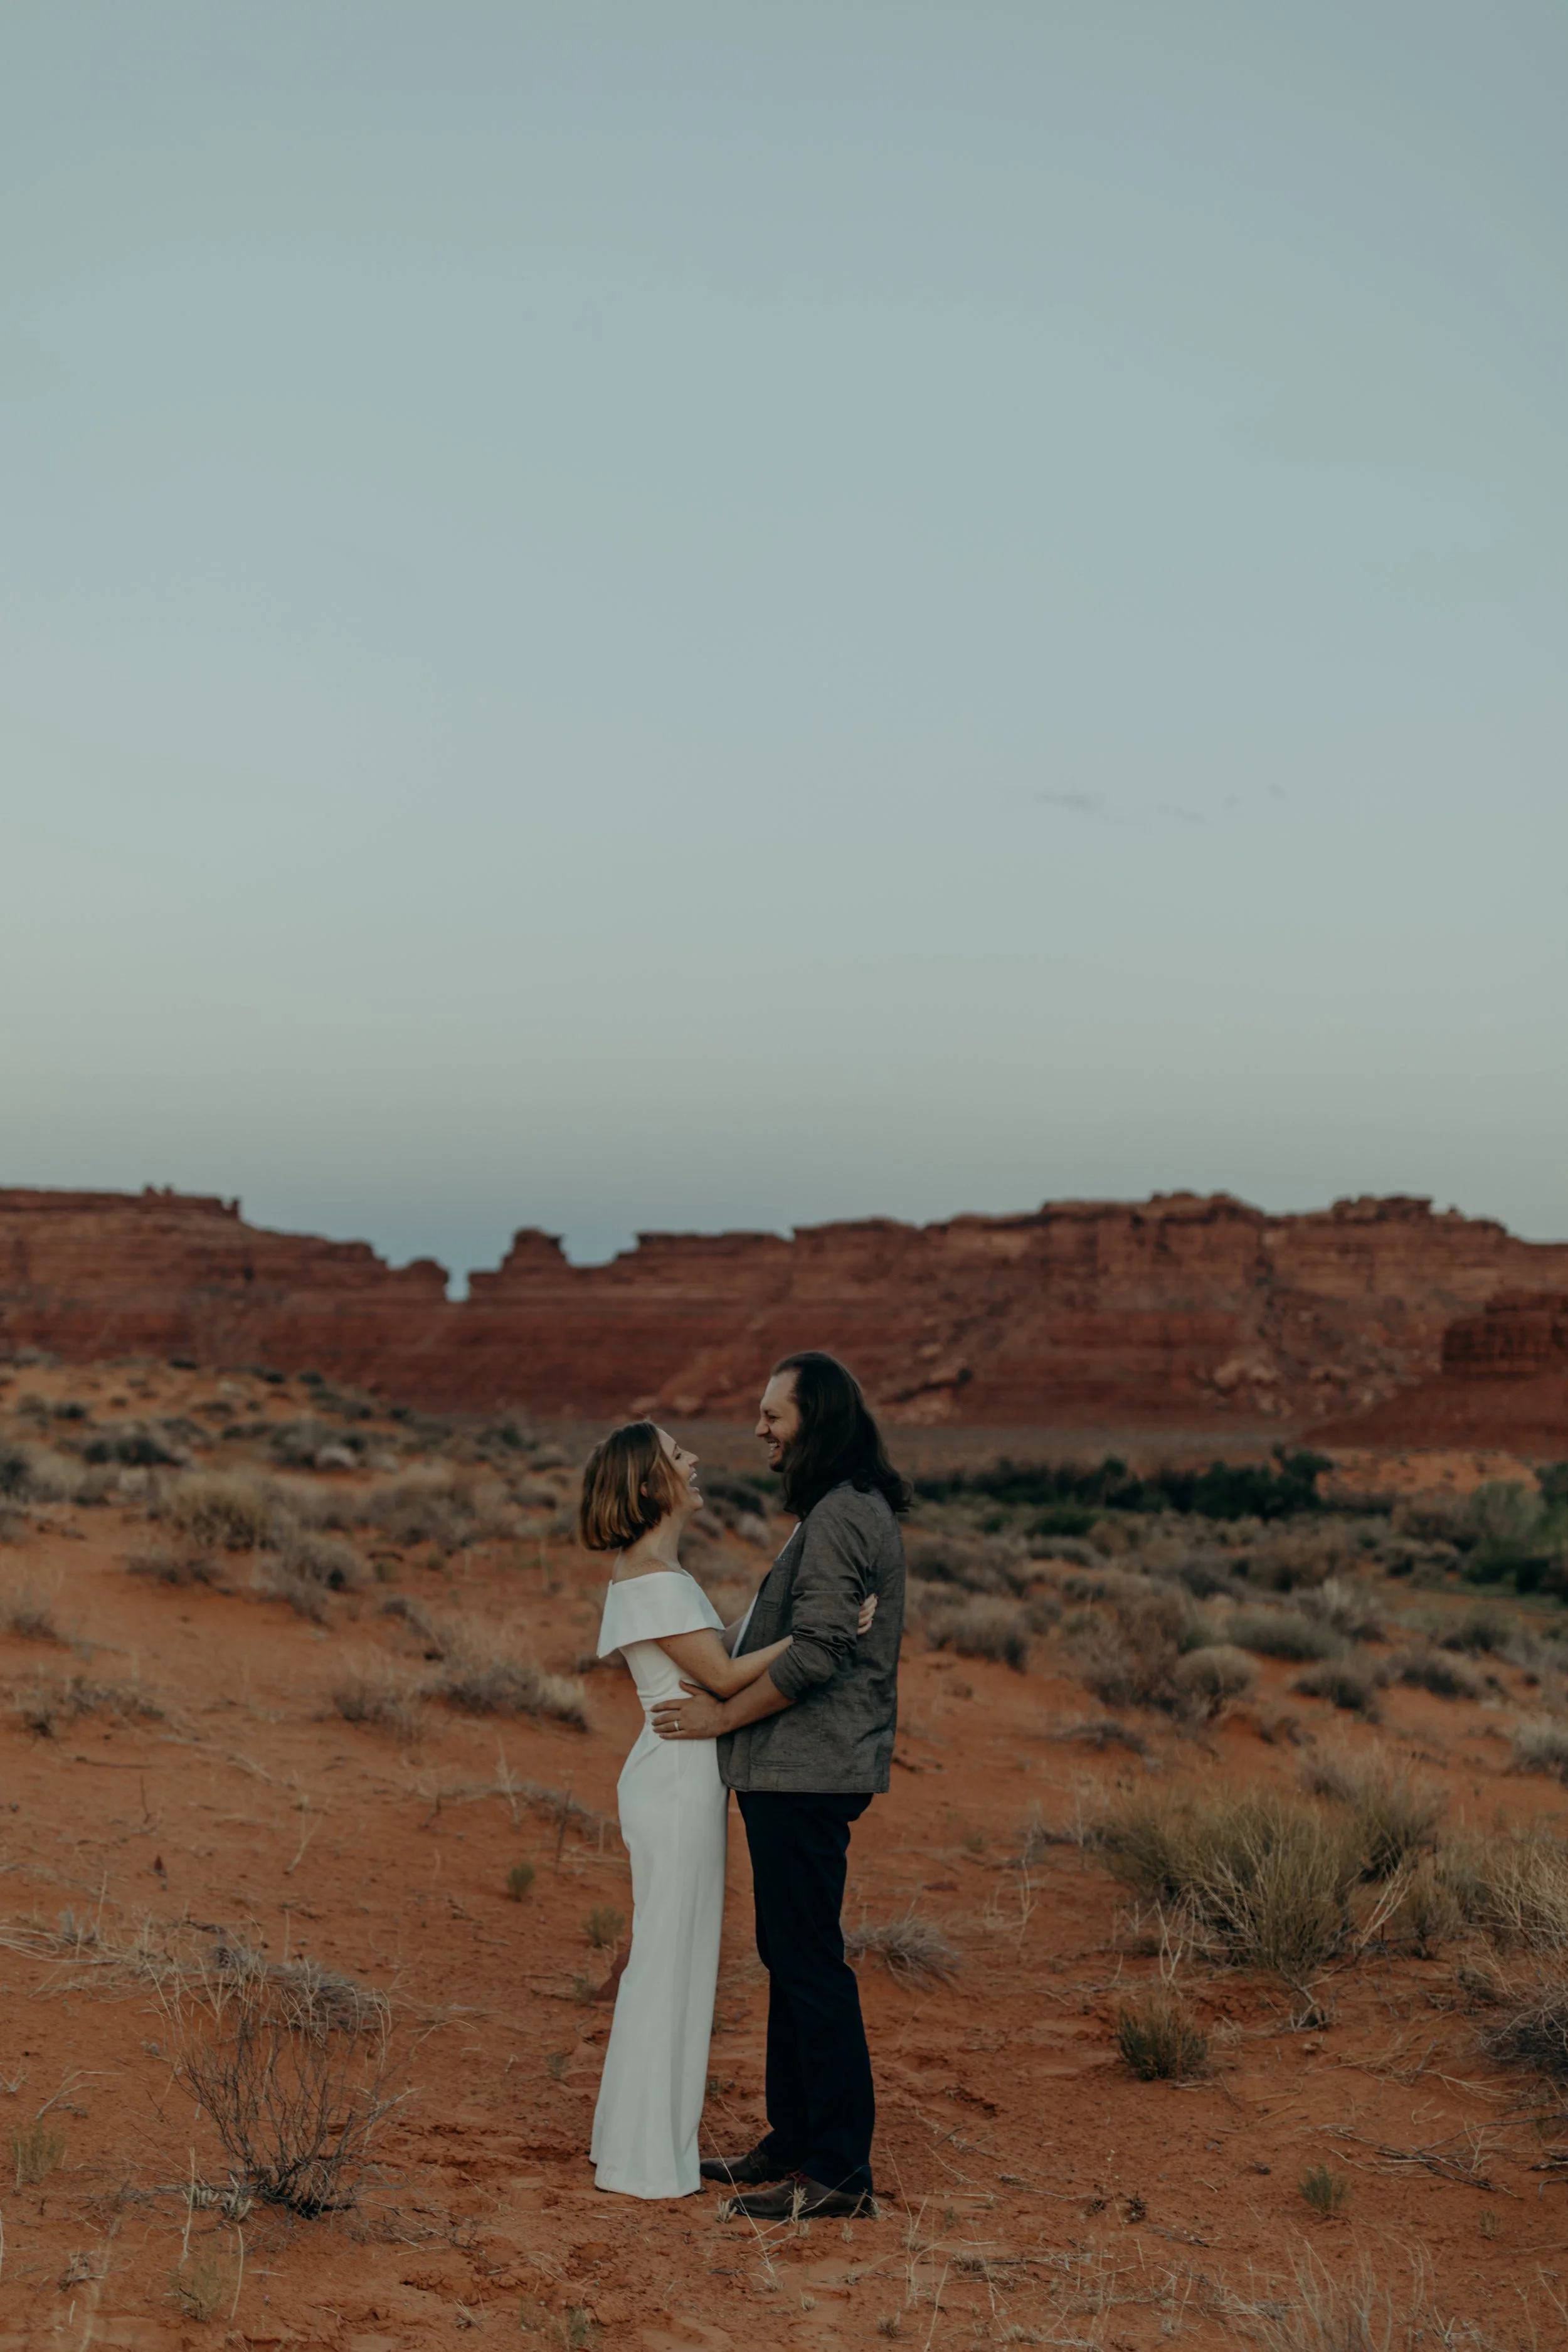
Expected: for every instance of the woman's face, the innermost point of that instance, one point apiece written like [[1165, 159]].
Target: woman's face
[[685, 1466]]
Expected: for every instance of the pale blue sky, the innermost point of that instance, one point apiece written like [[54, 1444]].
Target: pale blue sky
[[625, 616]]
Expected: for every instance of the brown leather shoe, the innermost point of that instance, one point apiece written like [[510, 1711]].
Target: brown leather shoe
[[740, 2171], [797, 2198]]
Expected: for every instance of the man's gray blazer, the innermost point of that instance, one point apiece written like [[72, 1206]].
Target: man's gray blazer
[[837, 1736]]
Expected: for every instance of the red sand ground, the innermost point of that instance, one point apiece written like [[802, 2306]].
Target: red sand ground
[[1034, 2192]]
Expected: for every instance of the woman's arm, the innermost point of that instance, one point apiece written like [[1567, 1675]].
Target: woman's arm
[[704, 1658]]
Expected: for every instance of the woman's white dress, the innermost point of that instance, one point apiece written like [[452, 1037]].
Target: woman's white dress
[[672, 1806]]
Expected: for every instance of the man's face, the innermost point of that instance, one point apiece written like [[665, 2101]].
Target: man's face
[[778, 1417]]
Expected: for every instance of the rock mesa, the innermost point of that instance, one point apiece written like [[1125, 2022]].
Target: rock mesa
[[1178, 1312]]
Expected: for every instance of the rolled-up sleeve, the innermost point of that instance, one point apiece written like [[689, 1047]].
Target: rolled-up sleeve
[[834, 1577]]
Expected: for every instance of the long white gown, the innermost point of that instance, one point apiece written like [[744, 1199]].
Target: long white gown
[[672, 1807]]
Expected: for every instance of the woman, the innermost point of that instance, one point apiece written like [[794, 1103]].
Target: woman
[[639, 1491]]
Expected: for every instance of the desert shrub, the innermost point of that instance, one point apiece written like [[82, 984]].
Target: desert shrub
[[1265, 1882], [1281, 1633], [1346, 1686], [502, 1685], [1535, 2034], [1204, 1679], [1428, 1912], [134, 1446], [979, 1628], [1392, 1817], [1541, 1745], [163, 1565], [1514, 1888], [1434, 1671], [1324, 2190], [519, 1879], [1161, 2040], [443, 1508], [1129, 1658], [376, 1697], [974, 1563], [1345, 1606], [1433, 1518], [45, 1706], [1224, 1491], [301, 1567], [220, 1513], [27, 1614], [1515, 1531], [1070, 1549], [327, 1561], [907, 1945], [1485, 1629], [35, 1474], [292, 2074], [437, 1640], [1204, 1574]]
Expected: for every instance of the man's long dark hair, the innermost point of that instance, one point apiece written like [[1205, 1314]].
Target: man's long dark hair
[[837, 1443]]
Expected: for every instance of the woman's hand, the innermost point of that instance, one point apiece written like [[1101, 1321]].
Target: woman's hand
[[868, 1611]]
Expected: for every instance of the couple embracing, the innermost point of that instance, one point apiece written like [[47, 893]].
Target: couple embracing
[[794, 1707]]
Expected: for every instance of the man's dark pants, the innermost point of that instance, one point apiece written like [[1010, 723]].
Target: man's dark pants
[[821, 2105]]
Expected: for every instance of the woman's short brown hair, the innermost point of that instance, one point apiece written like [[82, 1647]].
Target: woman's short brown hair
[[629, 1484]]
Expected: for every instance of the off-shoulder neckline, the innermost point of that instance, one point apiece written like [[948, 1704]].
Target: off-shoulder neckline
[[647, 1575]]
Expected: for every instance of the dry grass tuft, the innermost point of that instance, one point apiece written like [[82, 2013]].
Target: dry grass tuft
[[1349, 2313], [1282, 1634], [44, 1707], [28, 1614], [1393, 1819], [377, 1696], [979, 1628], [1514, 1888], [1535, 2036], [1205, 1680], [1347, 1686], [201, 2285], [1434, 1671], [908, 1946], [1325, 2191], [1161, 2040], [605, 1926], [502, 1685], [1541, 1745], [37, 2150], [218, 1511], [1264, 1883], [182, 1566]]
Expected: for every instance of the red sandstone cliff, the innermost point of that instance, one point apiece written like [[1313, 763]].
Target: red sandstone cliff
[[1503, 1383], [1177, 1313]]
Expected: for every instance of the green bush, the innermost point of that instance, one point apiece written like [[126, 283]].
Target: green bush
[[519, 1879]]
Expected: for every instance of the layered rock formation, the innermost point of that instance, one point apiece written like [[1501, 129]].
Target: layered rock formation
[[1503, 1383], [1179, 1313]]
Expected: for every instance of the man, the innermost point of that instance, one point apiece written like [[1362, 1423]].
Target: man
[[805, 1748]]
